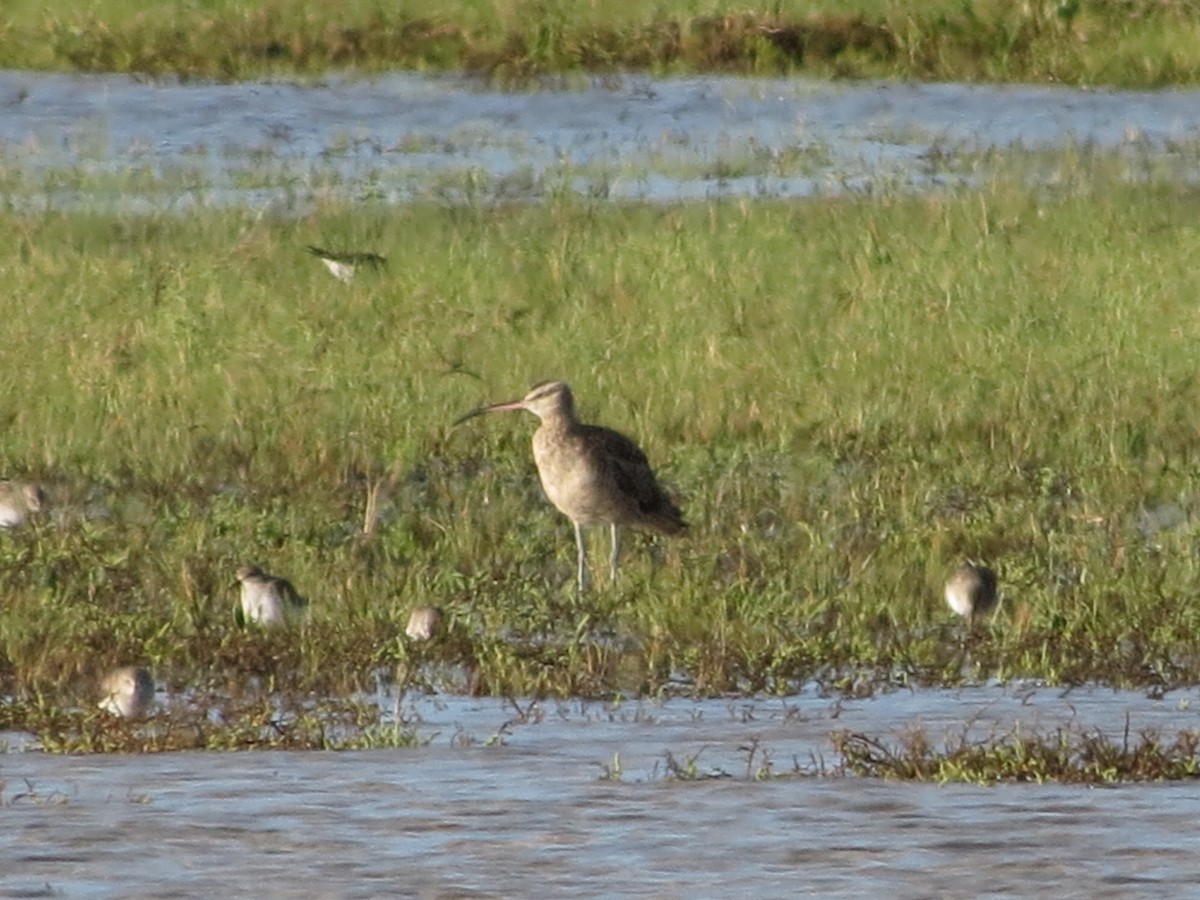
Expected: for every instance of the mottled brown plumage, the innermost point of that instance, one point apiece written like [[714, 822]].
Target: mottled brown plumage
[[593, 475]]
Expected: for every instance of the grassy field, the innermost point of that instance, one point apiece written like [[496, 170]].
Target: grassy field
[[1114, 42], [848, 396]]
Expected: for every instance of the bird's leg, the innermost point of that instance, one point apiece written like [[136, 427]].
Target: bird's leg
[[581, 569], [612, 560]]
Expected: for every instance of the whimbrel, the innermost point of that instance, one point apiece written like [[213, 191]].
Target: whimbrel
[[971, 591], [266, 599], [424, 623], [17, 500], [343, 265], [127, 691], [593, 475]]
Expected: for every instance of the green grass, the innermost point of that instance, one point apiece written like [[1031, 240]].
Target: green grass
[[1117, 42], [849, 396]]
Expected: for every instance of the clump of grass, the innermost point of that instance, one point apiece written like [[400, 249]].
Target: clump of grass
[[1141, 42], [1067, 755]]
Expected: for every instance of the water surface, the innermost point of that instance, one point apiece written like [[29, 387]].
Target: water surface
[[491, 808], [404, 136]]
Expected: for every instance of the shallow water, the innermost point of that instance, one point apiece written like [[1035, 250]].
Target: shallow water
[[404, 136], [488, 808]]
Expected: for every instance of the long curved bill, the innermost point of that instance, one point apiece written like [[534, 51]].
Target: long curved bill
[[495, 407]]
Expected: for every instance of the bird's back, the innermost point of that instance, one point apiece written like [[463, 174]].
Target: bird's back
[[598, 476]]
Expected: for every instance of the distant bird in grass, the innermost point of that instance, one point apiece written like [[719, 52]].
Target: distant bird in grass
[[424, 623], [593, 475], [127, 691], [971, 591], [344, 265], [267, 599], [17, 500]]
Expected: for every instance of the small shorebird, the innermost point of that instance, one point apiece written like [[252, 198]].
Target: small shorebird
[[971, 591], [17, 500], [343, 265], [424, 622], [127, 691], [267, 599], [593, 475]]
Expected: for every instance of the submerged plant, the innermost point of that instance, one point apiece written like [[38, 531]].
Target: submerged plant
[[212, 722], [1066, 755]]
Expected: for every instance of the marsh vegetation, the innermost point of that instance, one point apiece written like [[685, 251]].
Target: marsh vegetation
[[849, 395], [1115, 42]]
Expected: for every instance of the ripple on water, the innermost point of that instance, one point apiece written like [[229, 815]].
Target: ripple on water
[[533, 817]]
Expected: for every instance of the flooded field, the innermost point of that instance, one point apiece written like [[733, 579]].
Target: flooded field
[[667, 799], [670, 799], [110, 140]]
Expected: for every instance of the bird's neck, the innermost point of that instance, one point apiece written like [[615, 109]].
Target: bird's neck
[[559, 422]]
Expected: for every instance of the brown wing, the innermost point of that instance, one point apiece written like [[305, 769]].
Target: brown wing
[[631, 472]]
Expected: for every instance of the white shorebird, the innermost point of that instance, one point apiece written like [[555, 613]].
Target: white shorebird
[[17, 500], [267, 599], [971, 591], [343, 265], [127, 691], [424, 622], [594, 476]]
